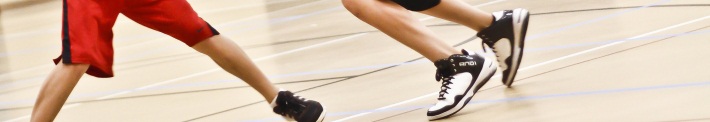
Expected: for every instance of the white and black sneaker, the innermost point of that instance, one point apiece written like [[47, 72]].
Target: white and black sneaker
[[461, 76], [295, 108], [506, 36]]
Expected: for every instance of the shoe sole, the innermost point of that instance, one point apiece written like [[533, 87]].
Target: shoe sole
[[520, 28], [478, 86], [322, 115]]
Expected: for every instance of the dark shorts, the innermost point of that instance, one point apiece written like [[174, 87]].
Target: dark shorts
[[87, 35]]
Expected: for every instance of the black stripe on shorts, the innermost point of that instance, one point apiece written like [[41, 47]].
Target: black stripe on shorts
[[66, 44]]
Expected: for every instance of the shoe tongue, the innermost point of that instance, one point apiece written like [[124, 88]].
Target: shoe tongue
[[498, 15], [464, 52], [273, 101]]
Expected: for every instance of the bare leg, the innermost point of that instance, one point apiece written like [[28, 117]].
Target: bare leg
[[232, 59], [56, 90], [460, 12], [399, 24]]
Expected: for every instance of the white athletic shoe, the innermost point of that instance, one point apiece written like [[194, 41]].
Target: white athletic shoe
[[459, 75], [506, 36]]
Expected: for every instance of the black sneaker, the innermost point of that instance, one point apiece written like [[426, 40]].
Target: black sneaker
[[459, 75], [295, 108], [506, 36]]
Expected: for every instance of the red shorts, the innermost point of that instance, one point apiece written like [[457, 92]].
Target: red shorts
[[87, 35]]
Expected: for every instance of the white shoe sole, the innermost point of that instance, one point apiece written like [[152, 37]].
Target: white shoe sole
[[520, 23]]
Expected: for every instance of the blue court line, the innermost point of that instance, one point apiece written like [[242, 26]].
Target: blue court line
[[515, 99], [317, 72]]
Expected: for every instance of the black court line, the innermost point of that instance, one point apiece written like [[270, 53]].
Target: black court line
[[466, 41], [186, 92]]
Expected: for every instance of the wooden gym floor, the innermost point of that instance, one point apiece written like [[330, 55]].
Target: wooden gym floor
[[585, 60]]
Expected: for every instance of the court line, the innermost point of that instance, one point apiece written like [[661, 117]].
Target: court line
[[331, 71], [529, 50], [537, 36], [526, 51], [86, 95], [524, 98], [544, 13], [612, 41], [592, 59], [554, 60], [355, 77], [93, 95], [366, 67], [391, 64], [612, 44], [28, 116], [317, 72], [609, 54], [218, 69], [556, 12]]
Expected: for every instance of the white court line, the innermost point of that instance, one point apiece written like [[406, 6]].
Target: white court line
[[540, 64], [386, 107], [477, 6], [612, 44], [209, 71]]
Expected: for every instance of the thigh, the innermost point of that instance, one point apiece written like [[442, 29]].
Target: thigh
[[87, 35], [173, 17]]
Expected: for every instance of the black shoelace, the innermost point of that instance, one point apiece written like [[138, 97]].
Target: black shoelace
[[291, 106], [445, 87]]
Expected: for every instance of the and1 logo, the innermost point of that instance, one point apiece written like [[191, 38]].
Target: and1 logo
[[468, 63]]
